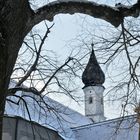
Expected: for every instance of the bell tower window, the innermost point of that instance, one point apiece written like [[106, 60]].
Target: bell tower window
[[102, 101], [90, 100]]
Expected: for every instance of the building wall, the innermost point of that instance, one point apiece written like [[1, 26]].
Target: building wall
[[16, 128], [94, 105], [119, 129]]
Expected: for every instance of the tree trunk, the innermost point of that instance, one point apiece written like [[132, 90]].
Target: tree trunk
[[14, 17], [3, 76], [3, 84], [139, 131]]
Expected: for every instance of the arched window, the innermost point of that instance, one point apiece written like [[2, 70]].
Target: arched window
[[102, 101], [90, 100]]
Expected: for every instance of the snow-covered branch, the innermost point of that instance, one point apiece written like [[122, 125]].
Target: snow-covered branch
[[113, 15]]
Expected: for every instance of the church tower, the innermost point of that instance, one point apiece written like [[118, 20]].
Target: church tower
[[93, 79]]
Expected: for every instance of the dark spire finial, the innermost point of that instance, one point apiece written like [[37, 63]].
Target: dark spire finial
[[93, 74], [92, 45]]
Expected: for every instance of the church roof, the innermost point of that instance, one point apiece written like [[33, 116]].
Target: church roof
[[93, 74], [123, 128], [70, 124], [55, 115]]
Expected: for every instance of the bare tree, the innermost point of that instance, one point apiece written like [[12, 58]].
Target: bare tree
[[17, 18], [118, 49]]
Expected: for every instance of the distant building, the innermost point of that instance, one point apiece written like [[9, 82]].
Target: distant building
[[60, 122]]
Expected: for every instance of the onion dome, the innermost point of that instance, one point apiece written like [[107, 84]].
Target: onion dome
[[93, 74]]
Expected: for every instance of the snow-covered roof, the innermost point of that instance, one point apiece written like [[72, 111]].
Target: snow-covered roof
[[70, 124], [54, 115], [124, 128]]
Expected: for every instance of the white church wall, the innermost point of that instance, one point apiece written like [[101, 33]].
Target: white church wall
[[119, 129], [94, 107]]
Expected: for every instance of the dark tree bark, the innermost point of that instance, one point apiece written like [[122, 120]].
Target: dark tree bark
[[13, 19], [17, 19], [113, 15]]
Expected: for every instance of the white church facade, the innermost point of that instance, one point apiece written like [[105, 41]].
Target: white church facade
[[67, 124]]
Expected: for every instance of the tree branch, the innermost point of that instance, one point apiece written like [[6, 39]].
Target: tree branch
[[12, 91], [33, 90], [113, 15], [33, 67], [53, 75]]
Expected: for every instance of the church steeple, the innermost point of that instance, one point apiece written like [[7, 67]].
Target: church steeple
[[93, 78], [93, 74]]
